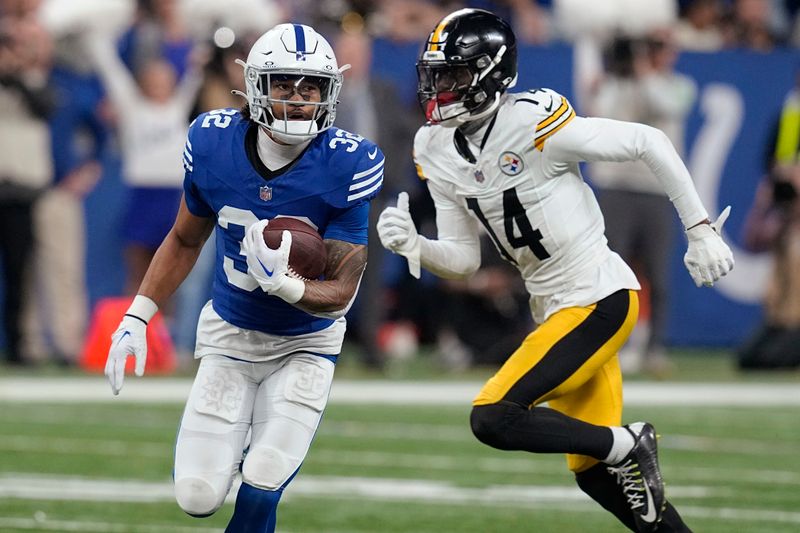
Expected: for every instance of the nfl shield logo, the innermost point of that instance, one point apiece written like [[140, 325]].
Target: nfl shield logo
[[479, 177], [265, 193]]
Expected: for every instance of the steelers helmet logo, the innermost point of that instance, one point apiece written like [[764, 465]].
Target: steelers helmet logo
[[510, 163]]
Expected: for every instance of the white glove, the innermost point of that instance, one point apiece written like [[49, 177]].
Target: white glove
[[269, 267], [708, 258], [398, 233], [129, 339]]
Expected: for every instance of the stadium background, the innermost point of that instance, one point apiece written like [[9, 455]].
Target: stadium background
[[396, 455], [739, 90]]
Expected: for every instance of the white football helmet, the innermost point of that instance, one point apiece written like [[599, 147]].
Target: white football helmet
[[294, 54]]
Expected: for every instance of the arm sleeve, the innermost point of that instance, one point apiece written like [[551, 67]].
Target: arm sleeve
[[456, 252], [599, 139], [350, 225]]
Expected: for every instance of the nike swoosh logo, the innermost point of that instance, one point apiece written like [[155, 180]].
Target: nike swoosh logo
[[123, 335], [651, 510], [550, 105], [266, 270], [373, 153]]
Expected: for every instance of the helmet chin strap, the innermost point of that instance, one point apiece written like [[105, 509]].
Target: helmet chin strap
[[293, 131]]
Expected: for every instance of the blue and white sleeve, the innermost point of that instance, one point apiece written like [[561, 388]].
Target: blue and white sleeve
[[191, 191]]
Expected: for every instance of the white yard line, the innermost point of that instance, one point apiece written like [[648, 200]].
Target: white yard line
[[42, 523], [166, 390], [35, 487]]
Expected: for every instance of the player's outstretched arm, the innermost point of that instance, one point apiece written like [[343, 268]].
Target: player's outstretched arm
[[708, 258], [170, 266]]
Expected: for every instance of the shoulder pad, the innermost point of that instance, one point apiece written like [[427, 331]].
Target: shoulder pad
[[360, 162], [549, 110], [422, 140], [210, 127]]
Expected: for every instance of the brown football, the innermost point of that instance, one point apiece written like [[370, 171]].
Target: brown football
[[307, 255]]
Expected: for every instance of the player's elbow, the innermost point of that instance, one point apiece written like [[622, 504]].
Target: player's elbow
[[651, 140], [469, 268]]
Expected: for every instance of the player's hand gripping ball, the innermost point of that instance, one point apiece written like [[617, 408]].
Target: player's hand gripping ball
[[307, 256]]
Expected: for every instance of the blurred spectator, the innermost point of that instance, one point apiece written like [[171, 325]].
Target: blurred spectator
[[750, 25], [530, 21], [371, 107], [410, 20], [773, 224], [152, 114], [26, 168], [642, 86], [55, 318], [159, 32], [698, 29]]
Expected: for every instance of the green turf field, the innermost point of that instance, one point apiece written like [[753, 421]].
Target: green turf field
[[105, 467]]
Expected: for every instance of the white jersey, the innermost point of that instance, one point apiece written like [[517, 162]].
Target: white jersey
[[538, 211]]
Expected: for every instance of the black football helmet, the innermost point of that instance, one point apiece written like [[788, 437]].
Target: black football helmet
[[470, 59]]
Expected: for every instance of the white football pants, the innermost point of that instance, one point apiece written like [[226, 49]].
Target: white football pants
[[281, 401]]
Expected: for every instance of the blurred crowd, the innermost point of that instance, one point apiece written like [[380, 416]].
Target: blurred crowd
[[96, 88]]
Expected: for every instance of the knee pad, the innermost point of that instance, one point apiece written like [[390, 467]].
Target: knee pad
[[196, 497], [269, 468], [488, 423]]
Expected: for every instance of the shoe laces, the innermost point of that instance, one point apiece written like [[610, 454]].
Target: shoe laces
[[630, 478]]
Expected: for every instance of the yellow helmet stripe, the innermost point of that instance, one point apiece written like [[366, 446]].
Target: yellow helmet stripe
[[433, 43]]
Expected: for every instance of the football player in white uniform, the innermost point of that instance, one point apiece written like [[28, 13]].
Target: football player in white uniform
[[508, 163]]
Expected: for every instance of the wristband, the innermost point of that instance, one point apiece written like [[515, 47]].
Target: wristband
[[142, 307], [291, 290]]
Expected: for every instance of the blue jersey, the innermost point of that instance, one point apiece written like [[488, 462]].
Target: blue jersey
[[330, 186]]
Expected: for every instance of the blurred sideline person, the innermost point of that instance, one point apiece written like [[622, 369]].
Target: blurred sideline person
[[26, 162], [152, 112], [642, 86], [371, 107], [268, 342], [55, 316], [773, 224], [509, 163]]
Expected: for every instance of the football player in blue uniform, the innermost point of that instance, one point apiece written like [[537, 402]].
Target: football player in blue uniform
[[268, 340], [508, 164]]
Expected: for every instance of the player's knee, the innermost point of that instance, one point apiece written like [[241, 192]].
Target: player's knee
[[268, 468], [489, 422], [197, 497]]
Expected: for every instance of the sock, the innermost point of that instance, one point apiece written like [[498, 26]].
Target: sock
[[622, 445], [255, 510], [603, 488]]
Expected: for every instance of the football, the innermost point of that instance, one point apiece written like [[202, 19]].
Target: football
[[308, 255]]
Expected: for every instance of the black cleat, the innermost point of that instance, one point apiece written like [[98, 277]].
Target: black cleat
[[640, 478]]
